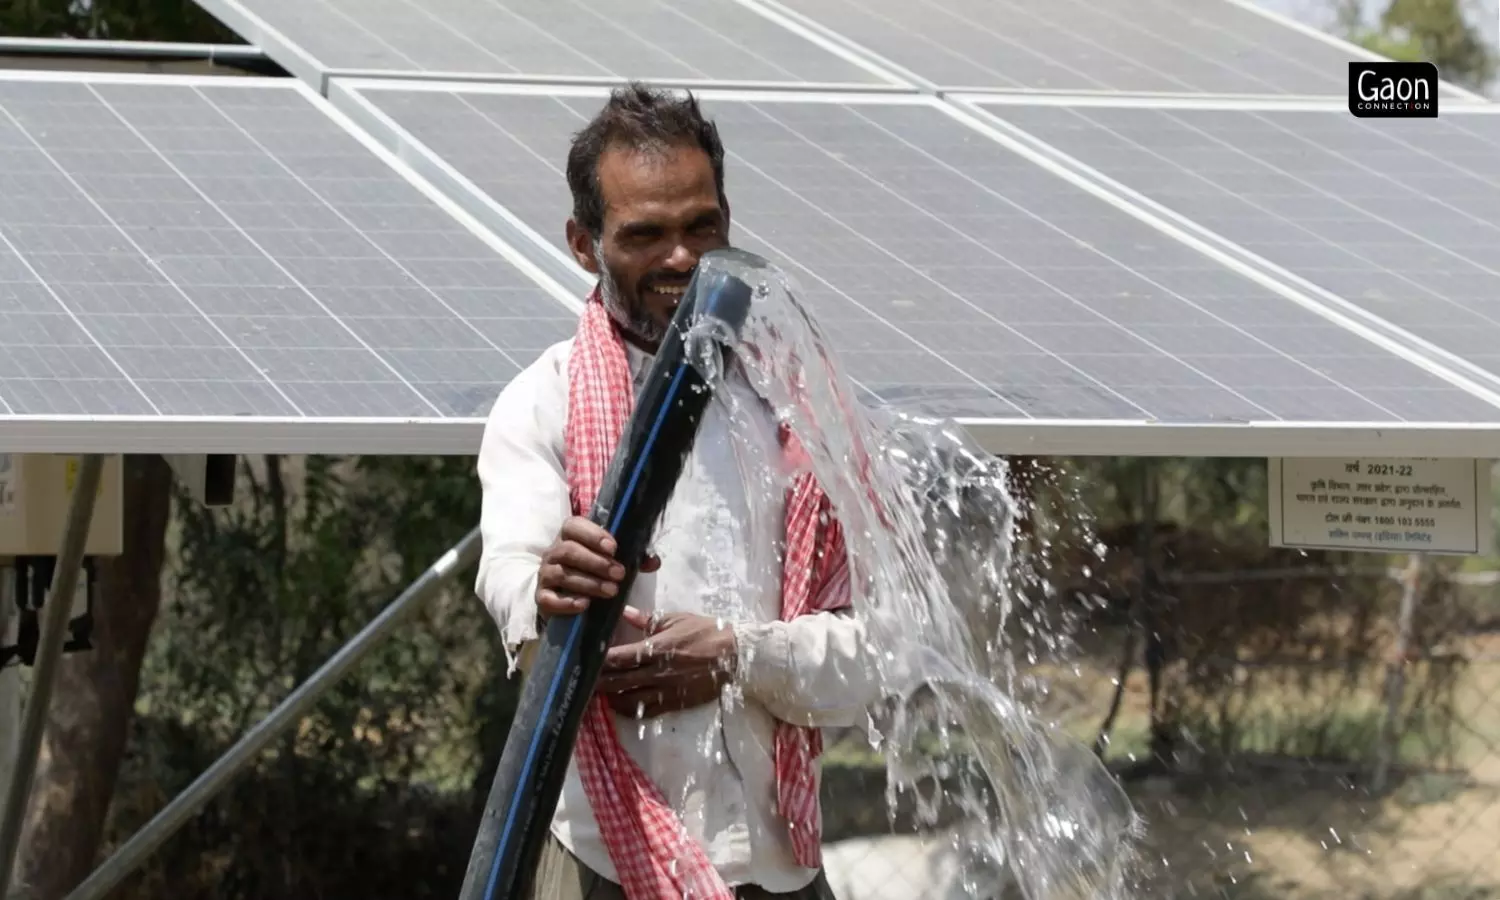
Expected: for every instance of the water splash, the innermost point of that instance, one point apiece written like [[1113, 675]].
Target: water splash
[[931, 525]]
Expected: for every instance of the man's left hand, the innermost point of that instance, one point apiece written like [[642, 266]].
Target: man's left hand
[[683, 661]]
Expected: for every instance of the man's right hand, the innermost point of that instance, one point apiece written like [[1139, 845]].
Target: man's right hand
[[579, 566]]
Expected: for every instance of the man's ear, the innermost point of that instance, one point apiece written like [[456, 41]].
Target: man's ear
[[582, 245]]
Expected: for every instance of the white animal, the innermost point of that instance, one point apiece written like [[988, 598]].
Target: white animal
[[900, 867]]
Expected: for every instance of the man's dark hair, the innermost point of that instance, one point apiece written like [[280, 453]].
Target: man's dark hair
[[637, 117]]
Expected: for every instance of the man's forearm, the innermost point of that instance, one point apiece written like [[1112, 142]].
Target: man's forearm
[[814, 670]]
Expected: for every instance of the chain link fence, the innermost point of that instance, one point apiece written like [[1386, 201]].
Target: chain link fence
[[1291, 734]]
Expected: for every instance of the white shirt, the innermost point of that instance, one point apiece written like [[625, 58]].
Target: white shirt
[[718, 544]]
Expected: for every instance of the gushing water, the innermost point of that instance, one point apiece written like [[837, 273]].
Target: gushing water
[[930, 524]]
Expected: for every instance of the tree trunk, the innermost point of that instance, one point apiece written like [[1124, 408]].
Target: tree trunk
[[94, 698]]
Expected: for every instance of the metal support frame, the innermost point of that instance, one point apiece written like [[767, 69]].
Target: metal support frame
[[54, 632], [187, 804], [160, 50]]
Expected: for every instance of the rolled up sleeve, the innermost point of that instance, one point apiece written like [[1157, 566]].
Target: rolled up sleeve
[[816, 670]]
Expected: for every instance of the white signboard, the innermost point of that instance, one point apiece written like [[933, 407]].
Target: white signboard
[[1381, 505]]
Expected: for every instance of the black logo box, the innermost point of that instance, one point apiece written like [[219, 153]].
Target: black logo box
[[1393, 90]]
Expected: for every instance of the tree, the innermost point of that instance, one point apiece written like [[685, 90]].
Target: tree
[[1435, 31], [369, 794], [118, 20]]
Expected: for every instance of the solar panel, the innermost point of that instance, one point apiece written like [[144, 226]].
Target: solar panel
[[180, 249], [1399, 217], [657, 40], [954, 276], [1172, 46]]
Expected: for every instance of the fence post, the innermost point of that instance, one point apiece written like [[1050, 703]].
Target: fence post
[[1140, 617], [1395, 675]]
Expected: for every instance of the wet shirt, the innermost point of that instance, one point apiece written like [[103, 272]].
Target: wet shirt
[[719, 544]]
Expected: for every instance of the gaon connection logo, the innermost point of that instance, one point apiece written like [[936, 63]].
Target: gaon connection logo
[[1393, 90]]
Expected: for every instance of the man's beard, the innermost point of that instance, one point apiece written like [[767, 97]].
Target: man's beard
[[635, 322]]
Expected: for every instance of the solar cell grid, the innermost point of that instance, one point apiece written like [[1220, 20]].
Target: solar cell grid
[[1400, 218], [191, 250], [1226, 47], [1173, 46], [657, 40], [953, 273]]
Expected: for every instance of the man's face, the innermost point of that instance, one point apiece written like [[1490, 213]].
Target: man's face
[[661, 214]]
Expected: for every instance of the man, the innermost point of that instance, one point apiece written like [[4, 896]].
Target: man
[[695, 769]]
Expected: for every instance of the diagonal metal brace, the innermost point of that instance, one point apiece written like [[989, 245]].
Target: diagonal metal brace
[[291, 710]]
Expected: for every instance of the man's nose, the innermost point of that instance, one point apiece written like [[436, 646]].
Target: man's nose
[[681, 259]]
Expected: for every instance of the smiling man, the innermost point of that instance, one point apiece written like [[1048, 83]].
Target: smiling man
[[695, 772]]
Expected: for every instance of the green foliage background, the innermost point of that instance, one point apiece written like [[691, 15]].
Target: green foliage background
[[378, 785]]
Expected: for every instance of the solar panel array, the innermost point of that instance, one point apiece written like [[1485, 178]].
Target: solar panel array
[[688, 40], [1003, 211], [228, 249], [1220, 47], [958, 277], [1086, 45], [1399, 217]]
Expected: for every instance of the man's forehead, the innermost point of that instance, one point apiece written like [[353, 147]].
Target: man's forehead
[[672, 175]]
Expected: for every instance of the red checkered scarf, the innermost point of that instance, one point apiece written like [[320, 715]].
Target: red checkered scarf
[[651, 850]]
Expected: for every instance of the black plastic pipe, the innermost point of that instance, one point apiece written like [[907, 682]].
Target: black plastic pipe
[[642, 476]]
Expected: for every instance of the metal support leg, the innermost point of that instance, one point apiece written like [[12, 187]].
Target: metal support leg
[[288, 713], [54, 632]]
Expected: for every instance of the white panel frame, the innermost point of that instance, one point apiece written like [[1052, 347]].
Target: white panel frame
[[149, 49], [692, 84], [1072, 97], [1221, 102], [718, 90], [249, 82], [1029, 437], [277, 46]]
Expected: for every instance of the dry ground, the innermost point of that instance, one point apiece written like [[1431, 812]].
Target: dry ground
[[1280, 828], [1286, 829]]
